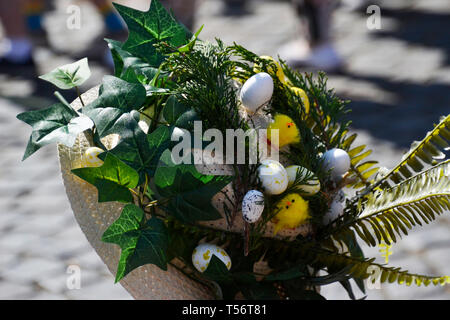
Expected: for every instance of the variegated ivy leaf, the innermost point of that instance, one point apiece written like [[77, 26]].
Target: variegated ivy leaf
[[142, 242], [56, 124], [70, 75], [113, 179], [118, 99], [150, 28]]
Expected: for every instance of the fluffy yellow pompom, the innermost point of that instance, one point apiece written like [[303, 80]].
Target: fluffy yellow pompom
[[292, 211], [279, 72], [302, 95], [287, 131]]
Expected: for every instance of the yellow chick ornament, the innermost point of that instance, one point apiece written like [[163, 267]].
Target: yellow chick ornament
[[292, 211], [278, 72], [303, 96], [287, 131]]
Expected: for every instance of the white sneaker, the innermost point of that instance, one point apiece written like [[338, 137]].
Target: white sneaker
[[322, 57]]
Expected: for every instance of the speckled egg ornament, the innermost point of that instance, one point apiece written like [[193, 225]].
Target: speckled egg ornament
[[311, 187], [90, 157], [338, 161], [273, 177], [252, 206], [256, 91], [202, 254]]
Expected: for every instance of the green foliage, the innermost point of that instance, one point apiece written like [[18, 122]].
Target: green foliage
[[141, 151], [391, 212], [188, 192], [125, 61], [58, 123], [360, 171], [117, 99], [142, 241], [217, 271], [205, 85], [422, 152], [365, 268], [326, 108], [112, 180], [146, 29], [173, 110], [70, 75]]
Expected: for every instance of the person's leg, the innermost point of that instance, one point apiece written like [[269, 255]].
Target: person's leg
[[235, 7], [16, 47], [317, 49], [316, 15]]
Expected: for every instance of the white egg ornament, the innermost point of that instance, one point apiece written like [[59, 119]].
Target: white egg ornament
[[311, 187], [256, 91], [252, 206], [338, 161], [90, 157], [273, 177], [202, 254]]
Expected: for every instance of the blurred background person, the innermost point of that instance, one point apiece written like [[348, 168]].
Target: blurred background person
[[314, 48], [23, 20], [16, 46]]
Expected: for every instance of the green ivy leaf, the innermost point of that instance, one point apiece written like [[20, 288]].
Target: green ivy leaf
[[186, 120], [173, 110], [149, 28], [141, 242], [117, 98], [217, 271], [113, 179], [189, 192], [141, 151], [70, 75], [58, 123], [124, 60]]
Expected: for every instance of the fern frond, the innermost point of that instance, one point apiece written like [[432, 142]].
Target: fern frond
[[422, 152], [361, 173], [364, 268], [393, 211]]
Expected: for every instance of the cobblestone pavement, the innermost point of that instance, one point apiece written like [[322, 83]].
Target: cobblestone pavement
[[398, 79]]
